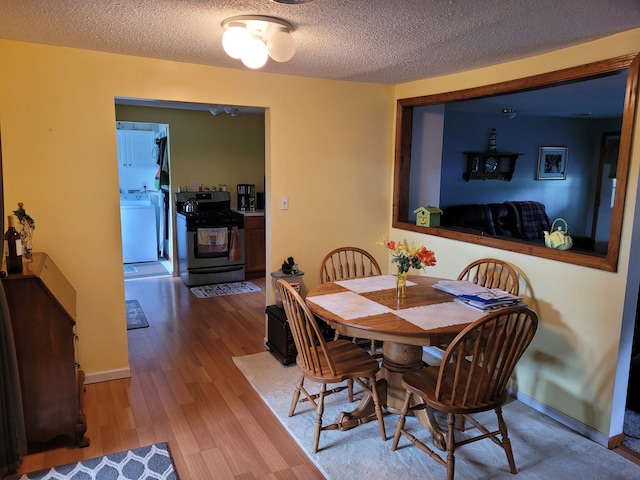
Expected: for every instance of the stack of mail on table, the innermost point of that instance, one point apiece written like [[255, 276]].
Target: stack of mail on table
[[477, 296]]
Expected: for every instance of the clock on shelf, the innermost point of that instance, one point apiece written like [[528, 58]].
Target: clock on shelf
[[490, 165]]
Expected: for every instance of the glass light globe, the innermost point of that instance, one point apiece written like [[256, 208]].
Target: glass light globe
[[281, 46], [256, 54], [234, 41]]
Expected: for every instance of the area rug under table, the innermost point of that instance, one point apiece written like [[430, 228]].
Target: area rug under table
[[150, 462], [542, 447], [220, 289]]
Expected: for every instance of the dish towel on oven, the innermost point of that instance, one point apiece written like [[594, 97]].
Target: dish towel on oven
[[211, 240], [234, 245]]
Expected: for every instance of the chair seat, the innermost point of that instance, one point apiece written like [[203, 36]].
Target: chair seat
[[472, 377], [349, 360], [423, 383]]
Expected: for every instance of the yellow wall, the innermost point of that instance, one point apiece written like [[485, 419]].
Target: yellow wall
[[329, 147], [571, 365]]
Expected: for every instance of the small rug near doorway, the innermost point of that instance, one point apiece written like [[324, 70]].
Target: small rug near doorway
[[145, 270], [206, 291], [135, 315], [153, 461]]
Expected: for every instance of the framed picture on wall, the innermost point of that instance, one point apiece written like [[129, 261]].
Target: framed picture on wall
[[552, 163]]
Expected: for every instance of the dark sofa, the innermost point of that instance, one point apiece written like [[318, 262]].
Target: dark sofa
[[526, 220]]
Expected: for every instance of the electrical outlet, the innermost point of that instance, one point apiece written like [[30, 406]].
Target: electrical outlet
[[194, 186], [284, 203]]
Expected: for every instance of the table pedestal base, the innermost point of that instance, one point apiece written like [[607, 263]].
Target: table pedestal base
[[397, 359]]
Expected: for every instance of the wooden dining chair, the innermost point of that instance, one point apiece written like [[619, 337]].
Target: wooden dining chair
[[344, 263], [492, 273], [326, 362], [471, 378], [348, 262]]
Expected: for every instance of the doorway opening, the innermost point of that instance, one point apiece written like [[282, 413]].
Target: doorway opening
[[143, 175]]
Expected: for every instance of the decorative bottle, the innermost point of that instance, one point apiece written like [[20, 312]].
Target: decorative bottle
[[13, 247], [27, 225]]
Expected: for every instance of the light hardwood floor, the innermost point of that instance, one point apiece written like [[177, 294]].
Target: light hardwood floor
[[185, 390]]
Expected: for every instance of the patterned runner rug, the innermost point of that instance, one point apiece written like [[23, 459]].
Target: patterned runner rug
[[150, 462], [221, 289], [135, 315]]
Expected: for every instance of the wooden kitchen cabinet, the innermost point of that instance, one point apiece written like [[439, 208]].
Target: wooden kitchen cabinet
[[255, 256], [42, 306]]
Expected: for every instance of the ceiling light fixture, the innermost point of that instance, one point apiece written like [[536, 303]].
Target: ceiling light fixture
[[255, 38], [216, 110]]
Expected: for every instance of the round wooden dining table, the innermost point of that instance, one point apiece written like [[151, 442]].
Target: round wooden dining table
[[402, 341]]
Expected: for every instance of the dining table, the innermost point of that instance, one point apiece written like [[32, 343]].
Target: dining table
[[370, 308]]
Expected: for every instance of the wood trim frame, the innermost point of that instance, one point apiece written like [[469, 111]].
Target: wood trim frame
[[402, 161]]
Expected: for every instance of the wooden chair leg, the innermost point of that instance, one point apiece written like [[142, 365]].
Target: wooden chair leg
[[401, 420], [376, 401], [451, 445], [350, 389], [319, 412], [296, 395], [506, 443]]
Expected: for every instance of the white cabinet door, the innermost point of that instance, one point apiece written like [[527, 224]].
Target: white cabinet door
[[136, 148]]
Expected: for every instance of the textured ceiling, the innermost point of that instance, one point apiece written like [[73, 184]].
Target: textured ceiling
[[379, 41]]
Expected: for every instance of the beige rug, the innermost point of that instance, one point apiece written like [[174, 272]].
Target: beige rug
[[543, 448]]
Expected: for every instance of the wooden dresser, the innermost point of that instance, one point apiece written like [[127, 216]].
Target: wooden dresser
[[42, 305]]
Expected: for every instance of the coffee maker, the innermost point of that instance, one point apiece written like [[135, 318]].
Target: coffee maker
[[246, 197]]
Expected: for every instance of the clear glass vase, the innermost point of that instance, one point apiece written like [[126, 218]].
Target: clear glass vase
[[401, 284]]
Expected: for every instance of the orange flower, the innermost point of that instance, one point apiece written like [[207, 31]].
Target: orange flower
[[408, 256]]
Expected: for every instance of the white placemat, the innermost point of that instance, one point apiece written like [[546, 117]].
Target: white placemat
[[371, 284], [440, 315], [349, 305]]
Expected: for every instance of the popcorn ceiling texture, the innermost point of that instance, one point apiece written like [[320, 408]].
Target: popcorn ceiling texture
[[383, 41]]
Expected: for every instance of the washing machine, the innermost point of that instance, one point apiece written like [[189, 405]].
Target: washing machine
[[139, 230]]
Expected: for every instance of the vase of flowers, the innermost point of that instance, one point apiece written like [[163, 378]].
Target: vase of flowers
[[407, 256]]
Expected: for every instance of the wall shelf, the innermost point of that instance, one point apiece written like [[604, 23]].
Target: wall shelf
[[490, 165]]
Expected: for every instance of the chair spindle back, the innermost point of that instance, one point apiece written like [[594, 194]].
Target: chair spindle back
[[307, 336], [492, 273], [478, 363], [348, 262]]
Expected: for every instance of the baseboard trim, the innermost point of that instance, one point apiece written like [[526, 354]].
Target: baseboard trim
[[107, 375], [560, 417], [564, 419]]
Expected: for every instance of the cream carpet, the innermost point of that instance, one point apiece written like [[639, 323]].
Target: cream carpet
[[542, 447]]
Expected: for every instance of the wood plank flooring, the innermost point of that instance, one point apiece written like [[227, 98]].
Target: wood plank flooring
[[185, 390]]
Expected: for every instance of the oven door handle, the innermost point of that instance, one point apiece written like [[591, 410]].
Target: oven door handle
[[208, 270]]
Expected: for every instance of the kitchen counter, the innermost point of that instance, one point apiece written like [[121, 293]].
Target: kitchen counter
[[257, 213]]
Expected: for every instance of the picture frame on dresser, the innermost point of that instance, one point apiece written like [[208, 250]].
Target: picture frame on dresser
[[552, 163]]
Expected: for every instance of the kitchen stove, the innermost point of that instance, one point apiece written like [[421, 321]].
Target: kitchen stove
[[210, 238]]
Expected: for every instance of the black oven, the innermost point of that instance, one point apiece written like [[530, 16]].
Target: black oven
[[210, 239]]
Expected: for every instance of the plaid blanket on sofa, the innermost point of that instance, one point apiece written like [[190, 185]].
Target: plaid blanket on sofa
[[533, 219]]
